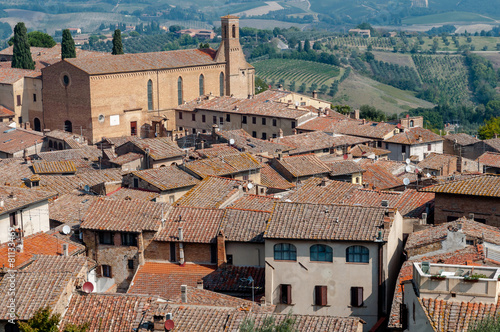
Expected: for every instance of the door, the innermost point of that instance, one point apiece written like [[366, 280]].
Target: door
[[133, 128]]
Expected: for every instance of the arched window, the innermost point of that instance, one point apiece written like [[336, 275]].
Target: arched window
[[321, 253], [285, 251], [357, 254], [150, 95], [38, 126], [202, 85], [60, 146], [179, 91], [68, 126], [221, 84], [411, 123], [234, 31], [50, 144]]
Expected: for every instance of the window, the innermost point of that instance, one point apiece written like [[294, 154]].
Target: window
[[228, 117], [246, 177], [150, 95], [18, 100], [68, 126], [203, 118], [275, 122], [193, 117], [129, 239], [37, 124], [356, 296], [171, 199], [13, 219], [244, 119], [321, 253], [179, 91], [274, 135], [106, 238], [202, 85], [254, 134], [180, 115], [263, 121], [66, 80], [20, 119], [133, 128], [60, 146], [403, 149], [50, 144], [320, 295], [173, 254], [34, 97], [429, 147], [214, 119], [229, 259], [130, 264], [357, 254], [136, 183], [254, 120], [286, 294], [221, 84], [285, 251], [221, 120], [293, 124], [234, 31], [264, 135], [411, 123], [106, 271]]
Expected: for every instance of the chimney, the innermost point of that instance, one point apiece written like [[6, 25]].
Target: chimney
[[65, 249], [315, 94], [181, 247], [280, 156], [280, 133], [471, 216], [280, 87], [356, 114], [199, 284], [158, 323], [184, 295], [364, 121], [215, 130], [322, 183], [221, 249]]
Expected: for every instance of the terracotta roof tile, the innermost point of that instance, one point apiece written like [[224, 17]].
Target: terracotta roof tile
[[211, 192], [159, 148], [6, 113], [57, 264], [167, 178], [228, 279], [70, 208], [128, 216], [244, 225], [63, 184], [415, 135], [217, 150], [224, 165], [325, 124], [484, 185], [272, 179], [39, 244], [380, 178], [461, 139], [204, 297], [493, 143], [126, 158], [344, 167], [363, 151], [151, 278], [437, 161], [199, 225], [54, 167], [107, 312], [304, 221], [13, 140], [12, 75], [254, 202], [243, 140], [302, 165], [322, 191], [375, 130], [15, 198], [128, 194], [491, 159]]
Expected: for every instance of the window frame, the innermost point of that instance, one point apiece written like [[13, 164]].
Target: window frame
[[105, 240], [357, 297], [128, 239], [321, 295], [244, 119], [106, 271], [290, 251], [357, 254], [285, 294], [314, 250]]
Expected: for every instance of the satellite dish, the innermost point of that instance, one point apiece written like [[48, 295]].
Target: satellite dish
[[406, 181], [345, 157], [408, 169], [169, 325], [428, 175], [231, 141], [66, 229], [86, 188], [250, 186], [88, 287], [408, 161]]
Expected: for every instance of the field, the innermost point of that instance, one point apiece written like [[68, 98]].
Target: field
[[298, 71], [494, 57], [448, 75], [358, 90], [448, 17], [396, 58]]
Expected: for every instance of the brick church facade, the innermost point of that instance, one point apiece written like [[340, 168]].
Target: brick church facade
[[134, 94]]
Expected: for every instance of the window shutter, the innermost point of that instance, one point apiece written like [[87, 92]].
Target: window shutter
[[286, 294], [321, 295], [356, 296], [98, 271], [110, 271], [117, 239]]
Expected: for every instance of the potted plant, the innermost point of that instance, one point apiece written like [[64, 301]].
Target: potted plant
[[474, 277], [437, 277]]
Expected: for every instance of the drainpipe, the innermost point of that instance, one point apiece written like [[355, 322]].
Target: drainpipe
[[380, 282]]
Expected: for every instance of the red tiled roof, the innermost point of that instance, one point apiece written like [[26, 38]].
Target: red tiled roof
[[159, 148], [437, 161], [254, 202], [461, 139], [13, 140], [128, 216], [325, 222], [5, 112], [126, 158], [228, 279], [167, 178], [325, 124], [415, 135], [303, 165], [318, 140], [493, 143], [272, 179], [376, 130], [15, 198], [165, 279], [344, 167], [199, 225], [129, 193], [244, 225], [107, 312], [224, 165], [211, 192], [217, 150], [12, 75], [243, 140], [63, 184], [39, 244], [484, 185], [312, 191], [362, 150], [54, 167], [57, 264], [380, 178], [70, 208], [491, 159]]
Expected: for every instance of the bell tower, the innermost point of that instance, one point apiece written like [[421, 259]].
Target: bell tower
[[239, 75]]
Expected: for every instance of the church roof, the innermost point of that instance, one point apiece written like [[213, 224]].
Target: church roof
[[110, 64]]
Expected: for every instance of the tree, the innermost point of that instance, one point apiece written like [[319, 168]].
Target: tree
[[317, 45], [268, 325], [37, 39], [300, 46], [488, 324], [68, 45], [307, 45], [260, 85], [174, 28], [490, 129], [117, 43], [21, 57], [44, 321]]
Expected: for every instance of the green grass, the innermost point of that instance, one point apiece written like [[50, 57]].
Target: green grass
[[359, 90], [300, 71], [447, 17]]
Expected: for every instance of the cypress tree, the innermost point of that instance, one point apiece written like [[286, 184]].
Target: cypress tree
[[21, 55], [117, 43], [300, 46], [307, 45], [67, 45]]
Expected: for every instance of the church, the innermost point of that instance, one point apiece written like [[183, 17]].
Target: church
[[134, 94]]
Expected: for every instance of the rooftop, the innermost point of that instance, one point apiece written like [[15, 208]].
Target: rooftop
[[344, 167], [70, 208], [461, 139], [414, 136], [303, 221], [14, 198], [436, 161], [63, 184], [302, 165], [374, 130], [491, 159], [127, 216], [14, 140], [54, 167], [493, 143], [244, 225], [272, 179], [167, 178], [224, 165], [129, 194], [365, 151], [379, 177], [321, 190], [159, 148], [254, 202], [483, 185], [245, 142]]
